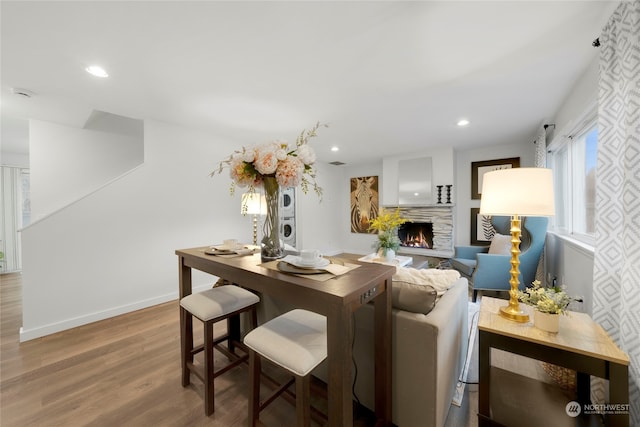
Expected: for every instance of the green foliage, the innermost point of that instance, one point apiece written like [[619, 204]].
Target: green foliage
[[545, 300], [387, 240]]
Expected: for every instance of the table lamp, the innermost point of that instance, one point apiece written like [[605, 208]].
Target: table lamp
[[254, 204], [517, 192]]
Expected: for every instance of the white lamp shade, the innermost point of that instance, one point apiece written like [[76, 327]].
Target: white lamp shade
[[253, 204], [518, 191]]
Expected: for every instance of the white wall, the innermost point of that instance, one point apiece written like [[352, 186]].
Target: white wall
[[114, 251], [317, 220], [68, 163], [582, 97], [525, 150]]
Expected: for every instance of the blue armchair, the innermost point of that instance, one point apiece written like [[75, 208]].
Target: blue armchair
[[492, 272]]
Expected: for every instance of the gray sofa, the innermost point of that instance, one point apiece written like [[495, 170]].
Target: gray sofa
[[428, 356]]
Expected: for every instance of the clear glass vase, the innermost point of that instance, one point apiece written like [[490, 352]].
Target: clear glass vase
[[271, 247]]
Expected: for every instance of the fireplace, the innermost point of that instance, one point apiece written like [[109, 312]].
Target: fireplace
[[430, 230], [416, 235]]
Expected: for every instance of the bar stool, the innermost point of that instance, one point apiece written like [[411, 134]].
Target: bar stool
[[295, 341], [211, 306]]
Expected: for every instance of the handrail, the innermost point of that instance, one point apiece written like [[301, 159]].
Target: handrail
[[54, 212]]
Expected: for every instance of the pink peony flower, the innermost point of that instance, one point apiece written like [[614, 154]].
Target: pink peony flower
[[289, 173], [249, 166], [266, 160], [239, 174]]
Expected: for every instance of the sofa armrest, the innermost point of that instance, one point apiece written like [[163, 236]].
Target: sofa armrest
[[469, 252], [425, 371]]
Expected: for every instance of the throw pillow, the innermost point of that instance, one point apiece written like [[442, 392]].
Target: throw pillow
[[500, 245], [440, 280], [413, 298]]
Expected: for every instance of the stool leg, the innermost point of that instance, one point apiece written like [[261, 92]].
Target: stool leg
[[254, 317], [233, 330], [186, 344], [208, 368], [303, 401], [254, 388]]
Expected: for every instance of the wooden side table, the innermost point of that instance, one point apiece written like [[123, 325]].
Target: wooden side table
[[581, 345]]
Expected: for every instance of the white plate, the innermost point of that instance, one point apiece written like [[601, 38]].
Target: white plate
[[297, 261], [229, 248]]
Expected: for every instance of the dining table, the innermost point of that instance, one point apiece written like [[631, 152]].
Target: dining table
[[337, 298]]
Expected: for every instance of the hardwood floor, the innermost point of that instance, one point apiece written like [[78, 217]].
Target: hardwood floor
[[125, 371]]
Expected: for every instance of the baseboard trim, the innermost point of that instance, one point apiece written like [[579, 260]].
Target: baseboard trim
[[52, 328]]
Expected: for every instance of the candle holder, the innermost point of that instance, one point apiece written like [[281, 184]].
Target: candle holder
[[439, 194], [449, 193]]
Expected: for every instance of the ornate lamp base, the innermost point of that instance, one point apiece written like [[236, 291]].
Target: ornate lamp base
[[517, 315], [513, 311]]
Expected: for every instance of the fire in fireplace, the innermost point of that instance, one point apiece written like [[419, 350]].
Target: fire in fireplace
[[416, 235]]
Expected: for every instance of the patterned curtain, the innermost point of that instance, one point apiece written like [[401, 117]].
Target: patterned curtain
[[541, 162], [616, 280], [541, 147]]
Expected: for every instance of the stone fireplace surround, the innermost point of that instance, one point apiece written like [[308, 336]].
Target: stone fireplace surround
[[441, 216]]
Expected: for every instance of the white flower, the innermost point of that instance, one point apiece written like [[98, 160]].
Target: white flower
[[289, 173], [249, 155], [306, 154]]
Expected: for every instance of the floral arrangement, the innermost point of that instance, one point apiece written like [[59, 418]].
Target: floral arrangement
[[545, 300], [386, 224], [291, 166]]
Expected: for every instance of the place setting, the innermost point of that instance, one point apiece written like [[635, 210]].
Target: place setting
[[231, 248], [311, 262]]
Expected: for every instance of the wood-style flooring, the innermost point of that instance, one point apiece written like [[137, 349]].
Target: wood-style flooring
[[125, 371]]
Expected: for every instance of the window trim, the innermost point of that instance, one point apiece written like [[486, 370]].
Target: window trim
[[564, 140]]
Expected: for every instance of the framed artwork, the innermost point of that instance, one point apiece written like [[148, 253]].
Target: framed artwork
[[482, 230], [364, 203], [478, 169]]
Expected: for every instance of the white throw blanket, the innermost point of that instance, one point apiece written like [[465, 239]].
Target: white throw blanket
[[440, 280]]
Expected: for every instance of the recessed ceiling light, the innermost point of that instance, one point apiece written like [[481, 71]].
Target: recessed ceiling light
[[335, 148], [97, 71], [416, 194], [463, 122]]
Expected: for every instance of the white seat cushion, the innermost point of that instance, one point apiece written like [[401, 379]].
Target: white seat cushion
[[218, 301], [296, 341]]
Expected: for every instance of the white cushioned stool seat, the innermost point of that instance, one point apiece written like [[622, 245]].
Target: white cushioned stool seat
[[217, 302], [296, 341]]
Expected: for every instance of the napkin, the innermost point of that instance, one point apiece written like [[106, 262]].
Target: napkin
[[336, 269]]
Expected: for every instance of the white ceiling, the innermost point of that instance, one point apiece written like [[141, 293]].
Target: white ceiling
[[389, 77]]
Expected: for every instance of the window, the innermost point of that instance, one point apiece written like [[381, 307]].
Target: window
[[574, 160]]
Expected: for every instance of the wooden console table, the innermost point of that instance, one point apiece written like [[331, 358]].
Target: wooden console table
[[581, 345], [336, 299]]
